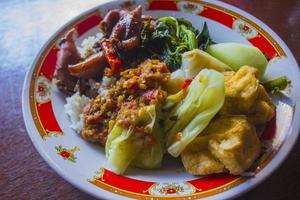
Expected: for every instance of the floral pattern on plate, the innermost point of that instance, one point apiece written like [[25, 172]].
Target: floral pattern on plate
[[42, 89], [67, 154], [244, 29], [190, 7], [172, 189]]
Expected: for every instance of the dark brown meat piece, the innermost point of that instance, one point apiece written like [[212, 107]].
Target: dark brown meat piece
[[110, 20], [91, 67], [67, 55], [124, 29], [126, 33]]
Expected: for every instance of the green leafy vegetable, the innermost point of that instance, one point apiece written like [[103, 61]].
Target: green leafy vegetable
[[151, 155], [124, 147], [114, 133], [195, 60], [237, 55], [204, 39], [276, 85], [173, 37], [205, 96]]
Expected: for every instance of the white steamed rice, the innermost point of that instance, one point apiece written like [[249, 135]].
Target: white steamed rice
[[74, 108], [86, 47], [107, 82]]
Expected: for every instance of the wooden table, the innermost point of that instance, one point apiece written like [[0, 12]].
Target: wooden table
[[26, 25]]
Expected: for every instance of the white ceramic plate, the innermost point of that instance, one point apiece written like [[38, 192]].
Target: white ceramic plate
[[84, 164]]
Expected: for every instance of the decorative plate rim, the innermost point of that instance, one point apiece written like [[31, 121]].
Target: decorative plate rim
[[291, 138]]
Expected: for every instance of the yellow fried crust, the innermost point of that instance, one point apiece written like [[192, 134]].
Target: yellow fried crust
[[245, 96], [227, 144]]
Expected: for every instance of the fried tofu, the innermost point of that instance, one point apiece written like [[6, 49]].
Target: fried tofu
[[230, 142], [242, 87], [263, 109], [198, 160], [238, 146], [227, 144], [245, 96]]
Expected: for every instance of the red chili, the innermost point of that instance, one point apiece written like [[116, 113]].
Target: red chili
[[65, 154], [178, 137], [112, 58], [186, 83]]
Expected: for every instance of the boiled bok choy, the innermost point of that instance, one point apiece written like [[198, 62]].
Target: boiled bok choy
[[195, 60], [124, 147], [237, 55], [192, 63], [151, 155], [204, 98]]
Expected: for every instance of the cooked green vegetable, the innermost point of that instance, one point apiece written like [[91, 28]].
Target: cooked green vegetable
[[205, 96], [124, 147], [173, 37], [176, 80], [113, 134], [204, 39], [123, 150], [151, 154], [276, 85], [195, 60], [236, 55]]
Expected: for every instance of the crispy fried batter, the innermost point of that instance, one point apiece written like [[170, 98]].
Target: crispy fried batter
[[241, 90], [245, 96], [198, 160], [238, 146], [228, 143], [263, 109]]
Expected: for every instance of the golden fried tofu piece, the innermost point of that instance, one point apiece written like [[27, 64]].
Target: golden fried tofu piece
[[263, 109], [198, 160], [227, 144], [263, 95], [238, 147], [245, 96], [243, 86], [228, 75]]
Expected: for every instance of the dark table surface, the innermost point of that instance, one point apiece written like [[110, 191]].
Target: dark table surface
[[24, 28]]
